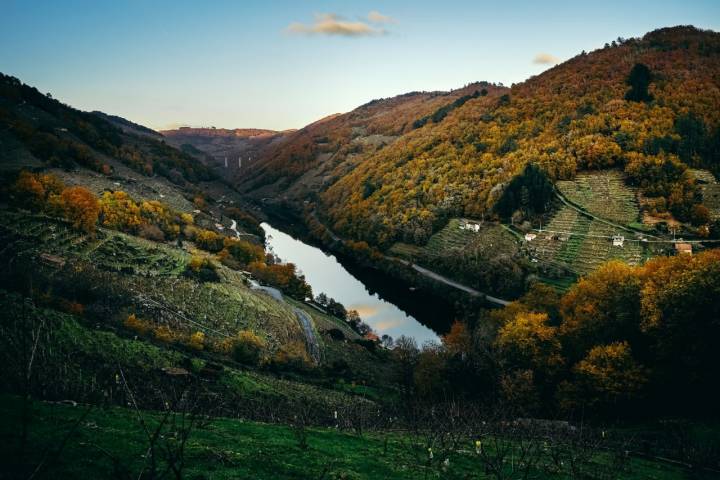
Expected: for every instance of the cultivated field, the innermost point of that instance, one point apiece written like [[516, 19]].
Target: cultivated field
[[580, 244], [452, 240], [603, 194], [710, 190], [488, 260], [148, 277]]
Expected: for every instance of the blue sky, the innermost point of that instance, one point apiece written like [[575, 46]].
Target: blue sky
[[273, 64]]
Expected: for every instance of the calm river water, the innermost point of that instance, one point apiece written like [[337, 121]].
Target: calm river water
[[371, 299]]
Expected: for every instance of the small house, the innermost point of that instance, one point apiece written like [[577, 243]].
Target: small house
[[618, 240], [683, 248], [529, 237], [473, 227]]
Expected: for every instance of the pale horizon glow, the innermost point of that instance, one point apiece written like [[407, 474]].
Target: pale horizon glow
[[241, 65]]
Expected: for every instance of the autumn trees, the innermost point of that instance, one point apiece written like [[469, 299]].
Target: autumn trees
[[621, 334], [81, 208], [624, 341], [45, 192], [572, 117]]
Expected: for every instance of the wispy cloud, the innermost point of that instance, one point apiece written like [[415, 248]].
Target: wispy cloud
[[385, 325], [545, 59], [376, 17], [365, 311], [333, 24]]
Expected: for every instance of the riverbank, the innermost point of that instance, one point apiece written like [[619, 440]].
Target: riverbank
[[366, 262]]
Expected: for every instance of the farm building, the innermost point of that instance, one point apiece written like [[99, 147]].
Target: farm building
[[529, 237], [472, 226], [683, 248], [618, 240]]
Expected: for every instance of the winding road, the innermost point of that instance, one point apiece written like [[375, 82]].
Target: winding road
[[442, 279], [426, 272]]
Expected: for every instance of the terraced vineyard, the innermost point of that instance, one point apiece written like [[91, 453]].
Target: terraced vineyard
[[489, 260], [603, 194], [710, 191], [453, 240], [148, 276], [580, 244]]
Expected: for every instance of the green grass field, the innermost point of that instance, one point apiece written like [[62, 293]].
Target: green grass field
[[106, 442]]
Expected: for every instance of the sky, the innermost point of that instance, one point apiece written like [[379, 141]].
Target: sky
[[283, 64]]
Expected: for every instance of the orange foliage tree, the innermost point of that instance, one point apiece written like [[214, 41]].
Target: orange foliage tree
[[81, 208]]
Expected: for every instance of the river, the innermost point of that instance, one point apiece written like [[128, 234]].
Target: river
[[370, 297]]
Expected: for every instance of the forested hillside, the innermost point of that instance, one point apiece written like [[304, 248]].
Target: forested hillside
[[647, 106], [43, 132], [591, 112], [323, 152]]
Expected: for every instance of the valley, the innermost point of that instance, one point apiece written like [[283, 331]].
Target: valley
[[493, 282]]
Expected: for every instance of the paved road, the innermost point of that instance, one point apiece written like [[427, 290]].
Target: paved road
[[442, 279], [429, 273]]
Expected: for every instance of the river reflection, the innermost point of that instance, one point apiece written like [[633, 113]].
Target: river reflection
[[326, 274]]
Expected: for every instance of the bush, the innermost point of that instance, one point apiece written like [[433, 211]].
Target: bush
[[81, 208], [164, 334], [136, 324], [196, 341], [151, 232], [209, 240], [291, 356], [248, 348], [202, 268]]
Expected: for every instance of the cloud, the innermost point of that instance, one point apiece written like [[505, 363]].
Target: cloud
[[376, 17], [365, 311], [386, 325], [545, 59], [332, 24]]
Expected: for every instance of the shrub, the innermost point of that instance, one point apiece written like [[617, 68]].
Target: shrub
[[202, 268], [186, 218], [196, 341], [244, 252], [248, 348], [151, 232], [164, 334], [291, 356], [81, 208], [209, 240], [136, 324]]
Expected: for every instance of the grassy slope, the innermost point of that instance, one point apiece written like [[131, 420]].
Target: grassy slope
[[79, 361], [235, 449]]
